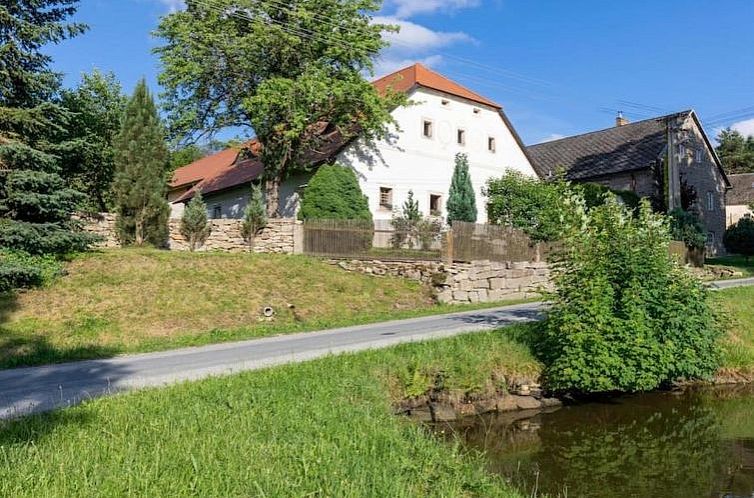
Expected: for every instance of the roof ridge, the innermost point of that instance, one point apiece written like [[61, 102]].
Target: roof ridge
[[609, 128]]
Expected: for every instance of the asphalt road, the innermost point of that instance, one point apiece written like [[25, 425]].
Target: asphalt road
[[729, 284], [28, 390]]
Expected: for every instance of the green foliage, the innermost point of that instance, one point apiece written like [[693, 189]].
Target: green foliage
[[88, 157], [35, 204], [334, 193], [20, 270], [141, 168], [688, 228], [412, 229], [624, 316], [736, 151], [595, 195], [194, 224], [739, 238], [308, 75], [255, 214], [541, 209], [461, 199]]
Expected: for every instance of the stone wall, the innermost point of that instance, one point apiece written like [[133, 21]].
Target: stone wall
[[279, 236], [477, 282]]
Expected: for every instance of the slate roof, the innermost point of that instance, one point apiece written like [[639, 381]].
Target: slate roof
[[743, 190], [619, 149]]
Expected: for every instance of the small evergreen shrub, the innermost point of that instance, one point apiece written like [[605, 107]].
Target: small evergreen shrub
[[624, 316], [194, 224], [254, 215], [334, 193], [686, 227], [461, 198], [739, 238]]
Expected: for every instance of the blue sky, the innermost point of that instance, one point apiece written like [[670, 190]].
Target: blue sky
[[558, 67]]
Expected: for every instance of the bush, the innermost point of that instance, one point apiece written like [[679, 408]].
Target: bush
[[461, 197], [19, 270], [625, 316], [334, 194], [595, 195], [739, 238], [686, 227], [541, 209], [254, 215], [194, 224]]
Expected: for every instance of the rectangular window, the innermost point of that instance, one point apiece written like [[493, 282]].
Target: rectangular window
[[445, 102], [427, 128], [682, 151], [699, 155], [461, 137], [435, 205], [710, 201], [386, 198], [217, 212], [491, 146], [711, 238]]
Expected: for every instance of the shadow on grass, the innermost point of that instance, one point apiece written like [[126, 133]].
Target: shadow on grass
[[34, 429]]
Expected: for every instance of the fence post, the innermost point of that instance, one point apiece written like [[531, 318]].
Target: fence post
[[448, 253]]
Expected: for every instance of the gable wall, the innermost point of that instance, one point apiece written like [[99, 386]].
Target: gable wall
[[409, 161]]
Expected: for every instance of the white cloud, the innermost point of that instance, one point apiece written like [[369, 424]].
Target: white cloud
[[414, 38], [551, 137], [173, 5], [745, 128], [408, 8]]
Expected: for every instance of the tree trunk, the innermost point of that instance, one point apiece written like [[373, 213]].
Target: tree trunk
[[272, 193]]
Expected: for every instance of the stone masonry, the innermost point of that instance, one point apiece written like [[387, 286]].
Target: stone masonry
[[278, 237], [476, 282]]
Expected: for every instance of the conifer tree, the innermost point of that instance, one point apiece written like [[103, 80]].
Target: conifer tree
[[410, 209], [141, 160], [194, 224], [35, 205], [461, 199], [254, 216]]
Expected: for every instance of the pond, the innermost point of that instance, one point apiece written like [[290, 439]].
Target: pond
[[695, 444]]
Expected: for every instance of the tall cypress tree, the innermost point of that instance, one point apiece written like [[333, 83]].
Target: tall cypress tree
[[141, 160], [35, 204], [461, 200]]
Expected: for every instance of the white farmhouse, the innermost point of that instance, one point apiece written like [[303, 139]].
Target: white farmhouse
[[444, 119]]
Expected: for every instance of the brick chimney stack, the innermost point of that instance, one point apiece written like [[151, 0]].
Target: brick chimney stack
[[621, 120]]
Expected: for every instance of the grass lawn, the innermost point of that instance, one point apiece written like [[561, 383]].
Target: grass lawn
[[323, 428], [737, 307], [125, 301], [738, 263]]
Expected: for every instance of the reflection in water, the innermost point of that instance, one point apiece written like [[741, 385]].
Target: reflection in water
[[693, 445]]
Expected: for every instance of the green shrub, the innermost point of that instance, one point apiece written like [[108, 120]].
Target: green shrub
[[334, 194], [194, 224], [461, 197], [686, 227], [595, 195], [20, 270], [254, 215], [541, 209], [625, 316], [739, 238]]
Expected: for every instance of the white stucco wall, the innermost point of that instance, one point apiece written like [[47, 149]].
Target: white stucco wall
[[409, 161], [735, 213]]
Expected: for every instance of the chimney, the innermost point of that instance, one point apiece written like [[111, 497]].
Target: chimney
[[621, 120]]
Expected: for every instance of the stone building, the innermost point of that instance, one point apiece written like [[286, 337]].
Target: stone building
[[668, 159]]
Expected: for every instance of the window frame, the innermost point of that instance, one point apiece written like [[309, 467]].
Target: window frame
[[492, 145], [385, 206], [438, 211], [461, 137], [710, 201], [431, 123], [217, 208]]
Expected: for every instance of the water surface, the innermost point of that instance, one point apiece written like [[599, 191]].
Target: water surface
[[698, 444]]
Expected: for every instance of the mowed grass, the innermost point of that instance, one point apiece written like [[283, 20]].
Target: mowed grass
[[123, 301], [323, 428], [736, 308]]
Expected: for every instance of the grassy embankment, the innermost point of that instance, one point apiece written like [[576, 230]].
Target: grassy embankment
[[126, 301], [737, 263], [323, 428], [737, 312]]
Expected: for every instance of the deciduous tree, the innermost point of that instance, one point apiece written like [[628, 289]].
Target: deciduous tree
[[736, 151], [289, 72]]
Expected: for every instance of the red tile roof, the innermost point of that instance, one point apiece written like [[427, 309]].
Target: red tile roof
[[223, 170], [419, 75]]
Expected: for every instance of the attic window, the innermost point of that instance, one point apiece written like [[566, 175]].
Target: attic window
[[698, 155], [477, 110], [427, 128], [445, 102]]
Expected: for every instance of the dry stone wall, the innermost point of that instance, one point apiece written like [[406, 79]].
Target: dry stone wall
[[277, 237], [457, 283]]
